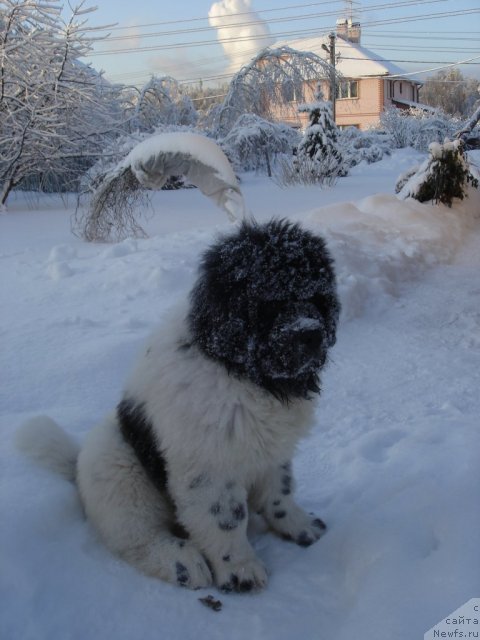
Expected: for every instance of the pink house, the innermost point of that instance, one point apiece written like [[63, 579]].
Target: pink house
[[369, 85]]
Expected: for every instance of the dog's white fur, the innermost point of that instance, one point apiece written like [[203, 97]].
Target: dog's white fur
[[226, 442]]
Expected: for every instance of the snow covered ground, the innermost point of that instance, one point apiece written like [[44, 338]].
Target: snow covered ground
[[391, 464]]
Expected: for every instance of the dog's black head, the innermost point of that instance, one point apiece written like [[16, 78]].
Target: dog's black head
[[265, 306]]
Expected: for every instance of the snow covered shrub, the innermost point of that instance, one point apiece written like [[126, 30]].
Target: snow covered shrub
[[369, 146], [444, 175], [254, 143], [417, 128], [288, 171], [111, 213], [111, 202], [112, 210]]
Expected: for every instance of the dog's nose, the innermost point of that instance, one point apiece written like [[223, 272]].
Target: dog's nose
[[311, 339]]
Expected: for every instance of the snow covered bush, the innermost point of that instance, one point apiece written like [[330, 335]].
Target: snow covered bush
[[369, 146], [253, 143], [110, 206], [417, 128], [444, 175]]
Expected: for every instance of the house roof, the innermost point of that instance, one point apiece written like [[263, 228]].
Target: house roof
[[354, 61]]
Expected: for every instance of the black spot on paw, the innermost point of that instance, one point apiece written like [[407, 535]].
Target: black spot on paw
[[276, 503], [245, 586], [182, 574], [286, 485], [215, 509], [304, 540], [231, 585], [319, 523], [239, 512], [226, 558], [287, 537], [226, 587], [279, 514]]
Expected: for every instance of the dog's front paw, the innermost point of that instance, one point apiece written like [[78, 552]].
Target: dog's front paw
[[242, 577], [294, 524], [189, 568]]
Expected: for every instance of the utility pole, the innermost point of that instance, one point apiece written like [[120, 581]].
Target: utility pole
[[331, 51]]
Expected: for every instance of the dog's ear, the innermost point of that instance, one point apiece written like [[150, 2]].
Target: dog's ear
[[258, 265]]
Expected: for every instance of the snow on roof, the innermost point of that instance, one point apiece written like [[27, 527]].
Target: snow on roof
[[355, 61], [416, 105]]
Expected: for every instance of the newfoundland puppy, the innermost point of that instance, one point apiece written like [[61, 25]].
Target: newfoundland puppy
[[209, 420]]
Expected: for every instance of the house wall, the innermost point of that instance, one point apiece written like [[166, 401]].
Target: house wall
[[374, 94]]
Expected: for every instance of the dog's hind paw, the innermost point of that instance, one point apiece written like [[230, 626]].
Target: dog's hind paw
[[299, 527], [241, 577]]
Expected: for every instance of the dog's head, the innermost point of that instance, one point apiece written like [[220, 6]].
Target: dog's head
[[265, 306]]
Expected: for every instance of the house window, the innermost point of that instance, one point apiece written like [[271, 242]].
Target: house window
[[401, 87], [347, 89], [288, 92]]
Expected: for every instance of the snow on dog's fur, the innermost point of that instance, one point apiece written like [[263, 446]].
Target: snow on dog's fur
[[209, 420]]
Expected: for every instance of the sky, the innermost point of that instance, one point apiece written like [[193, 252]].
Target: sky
[[182, 40]]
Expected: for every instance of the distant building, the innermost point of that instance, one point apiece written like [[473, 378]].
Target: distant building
[[370, 84]]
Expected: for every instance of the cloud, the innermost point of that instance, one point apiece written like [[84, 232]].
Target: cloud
[[252, 37]]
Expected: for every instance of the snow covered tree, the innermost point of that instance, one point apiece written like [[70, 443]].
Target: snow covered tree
[[55, 112], [319, 147], [161, 102], [270, 86], [451, 91], [445, 175]]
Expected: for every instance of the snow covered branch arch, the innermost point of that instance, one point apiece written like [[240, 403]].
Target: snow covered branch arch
[[274, 78], [109, 213]]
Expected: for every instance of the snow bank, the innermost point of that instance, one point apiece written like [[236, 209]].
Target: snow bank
[[381, 242], [391, 463]]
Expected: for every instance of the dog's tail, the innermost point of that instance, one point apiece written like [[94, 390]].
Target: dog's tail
[[41, 439]]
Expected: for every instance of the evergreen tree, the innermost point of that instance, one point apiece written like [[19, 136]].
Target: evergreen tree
[[319, 147], [444, 175]]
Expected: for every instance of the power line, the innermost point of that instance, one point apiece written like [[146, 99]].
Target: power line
[[202, 43], [235, 25], [240, 13]]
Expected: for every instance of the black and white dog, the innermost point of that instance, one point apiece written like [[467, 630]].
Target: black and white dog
[[209, 420]]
